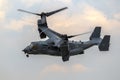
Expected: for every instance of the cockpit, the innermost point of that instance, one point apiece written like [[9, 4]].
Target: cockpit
[[33, 46]]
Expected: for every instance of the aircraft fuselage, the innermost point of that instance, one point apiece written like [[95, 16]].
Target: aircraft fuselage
[[45, 48]]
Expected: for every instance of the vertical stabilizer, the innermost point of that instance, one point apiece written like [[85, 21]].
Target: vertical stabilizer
[[96, 33], [104, 45]]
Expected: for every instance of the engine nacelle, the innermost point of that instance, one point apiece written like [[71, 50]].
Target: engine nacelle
[[42, 34]]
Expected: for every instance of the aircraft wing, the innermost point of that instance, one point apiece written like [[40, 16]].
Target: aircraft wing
[[52, 35]]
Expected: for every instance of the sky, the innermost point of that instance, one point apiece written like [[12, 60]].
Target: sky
[[17, 30]]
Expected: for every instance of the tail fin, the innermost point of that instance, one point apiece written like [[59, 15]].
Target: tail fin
[[96, 33], [104, 45]]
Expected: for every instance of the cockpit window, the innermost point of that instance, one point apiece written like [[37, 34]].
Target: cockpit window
[[33, 46]]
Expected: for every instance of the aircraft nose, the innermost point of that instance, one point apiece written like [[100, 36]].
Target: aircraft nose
[[26, 50]]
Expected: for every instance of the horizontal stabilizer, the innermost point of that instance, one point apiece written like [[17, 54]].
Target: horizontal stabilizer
[[104, 45]]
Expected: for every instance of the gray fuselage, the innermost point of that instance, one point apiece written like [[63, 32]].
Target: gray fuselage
[[48, 48]]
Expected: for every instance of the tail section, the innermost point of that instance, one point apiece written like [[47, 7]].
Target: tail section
[[104, 45], [96, 33]]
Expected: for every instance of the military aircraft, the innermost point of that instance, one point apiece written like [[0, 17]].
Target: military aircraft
[[59, 44]]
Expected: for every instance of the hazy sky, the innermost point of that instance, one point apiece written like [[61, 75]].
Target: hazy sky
[[18, 29]]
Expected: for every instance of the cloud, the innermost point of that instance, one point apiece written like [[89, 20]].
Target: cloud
[[83, 20], [2, 15], [77, 21], [66, 1], [78, 68], [117, 16], [17, 24], [61, 68], [56, 68], [91, 14], [23, 22], [87, 16], [3, 9], [30, 3]]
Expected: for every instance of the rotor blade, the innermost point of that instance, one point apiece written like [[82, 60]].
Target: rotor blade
[[28, 12], [53, 12], [78, 34]]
